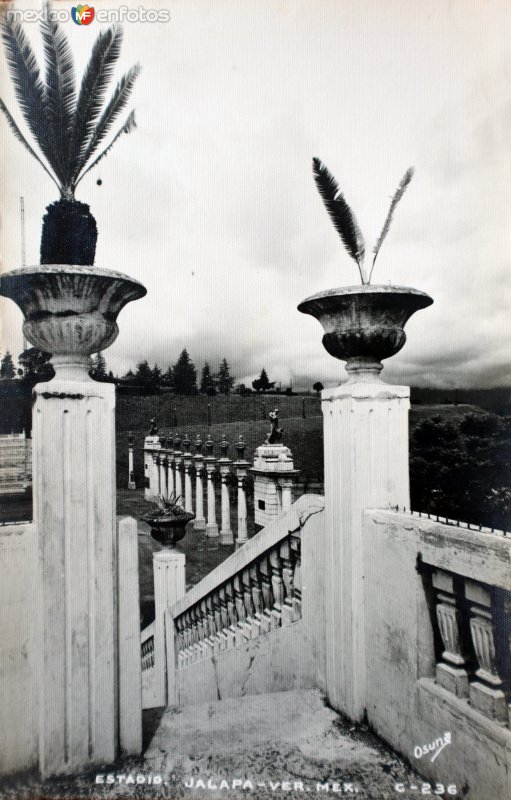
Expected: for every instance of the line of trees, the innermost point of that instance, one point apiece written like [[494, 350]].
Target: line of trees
[[181, 377]]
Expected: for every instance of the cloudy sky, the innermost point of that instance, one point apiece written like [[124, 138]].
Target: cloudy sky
[[211, 201]]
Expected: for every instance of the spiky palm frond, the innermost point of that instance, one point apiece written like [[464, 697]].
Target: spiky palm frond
[[19, 136], [112, 110], [105, 53], [128, 126], [341, 214], [59, 90], [405, 180], [28, 85], [67, 129]]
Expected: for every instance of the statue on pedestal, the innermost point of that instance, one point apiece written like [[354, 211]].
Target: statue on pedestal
[[275, 435]]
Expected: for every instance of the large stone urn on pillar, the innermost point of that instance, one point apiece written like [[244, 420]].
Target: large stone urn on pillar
[[366, 459], [71, 311]]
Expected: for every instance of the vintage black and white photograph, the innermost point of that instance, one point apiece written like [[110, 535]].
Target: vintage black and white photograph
[[255, 399]]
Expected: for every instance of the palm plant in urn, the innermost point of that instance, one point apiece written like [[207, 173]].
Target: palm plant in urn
[[68, 127], [363, 324], [70, 306], [168, 520]]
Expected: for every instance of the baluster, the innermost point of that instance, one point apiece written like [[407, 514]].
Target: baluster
[[187, 465], [217, 615], [277, 586], [264, 570], [486, 693], [287, 577], [165, 480], [210, 616], [199, 523], [157, 461], [204, 620], [170, 474], [179, 633], [224, 464], [451, 672], [178, 460], [249, 604], [224, 615], [231, 612], [241, 467], [296, 546], [210, 461], [195, 631], [243, 630], [231, 606]]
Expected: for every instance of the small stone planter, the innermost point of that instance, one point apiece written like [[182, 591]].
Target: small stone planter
[[169, 530], [364, 324]]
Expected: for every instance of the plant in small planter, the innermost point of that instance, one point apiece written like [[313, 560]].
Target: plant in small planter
[[168, 520], [363, 324], [69, 127]]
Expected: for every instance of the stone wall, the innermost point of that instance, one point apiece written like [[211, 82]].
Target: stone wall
[[18, 660], [405, 702]]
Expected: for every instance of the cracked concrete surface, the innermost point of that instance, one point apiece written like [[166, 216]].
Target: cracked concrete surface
[[275, 745]]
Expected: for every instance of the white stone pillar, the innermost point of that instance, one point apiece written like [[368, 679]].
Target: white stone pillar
[[74, 513], [199, 522], [165, 475], [241, 474], [211, 526], [286, 489], [366, 466], [187, 464], [169, 587], [130, 667], [151, 444], [226, 536], [170, 474], [131, 463], [178, 460]]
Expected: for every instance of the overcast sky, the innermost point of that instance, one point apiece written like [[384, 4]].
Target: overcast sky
[[211, 201]]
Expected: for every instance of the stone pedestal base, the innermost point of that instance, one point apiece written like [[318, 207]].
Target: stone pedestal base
[[454, 679], [226, 537], [132, 485], [199, 524], [490, 702], [169, 587], [211, 529], [74, 513]]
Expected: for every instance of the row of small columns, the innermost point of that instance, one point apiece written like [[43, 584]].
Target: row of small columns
[[171, 462]]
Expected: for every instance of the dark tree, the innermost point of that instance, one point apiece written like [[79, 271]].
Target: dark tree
[[7, 367], [35, 365], [207, 380], [185, 375], [225, 381], [318, 387], [262, 383], [168, 378]]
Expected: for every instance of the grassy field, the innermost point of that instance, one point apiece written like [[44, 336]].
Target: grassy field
[[303, 436]]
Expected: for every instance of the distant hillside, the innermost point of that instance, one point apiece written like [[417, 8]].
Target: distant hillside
[[497, 401]]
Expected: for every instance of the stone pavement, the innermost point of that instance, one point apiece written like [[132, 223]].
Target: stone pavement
[[282, 745]]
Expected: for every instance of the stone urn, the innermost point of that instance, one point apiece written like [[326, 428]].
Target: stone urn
[[364, 324], [169, 530], [70, 311]]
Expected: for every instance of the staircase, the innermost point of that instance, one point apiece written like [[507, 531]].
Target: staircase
[[271, 745]]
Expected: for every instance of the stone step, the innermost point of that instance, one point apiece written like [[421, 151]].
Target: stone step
[[292, 739]]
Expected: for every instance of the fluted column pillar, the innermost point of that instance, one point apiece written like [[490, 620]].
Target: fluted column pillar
[[187, 465], [210, 463], [170, 474], [131, 463], [241, 466], [178, 460], [199, 522]]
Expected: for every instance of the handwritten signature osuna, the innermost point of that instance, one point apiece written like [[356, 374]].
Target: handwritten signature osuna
[[435, 748]]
